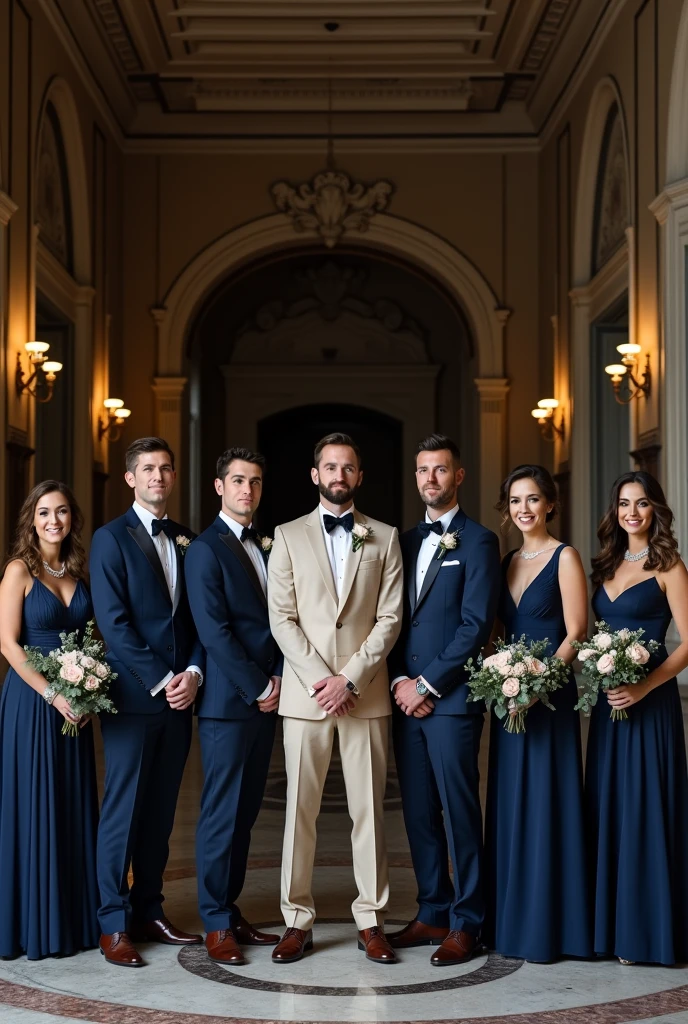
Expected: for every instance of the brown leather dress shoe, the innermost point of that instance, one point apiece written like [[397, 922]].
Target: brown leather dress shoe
[[291, 947], [118, 949], [417, 934], [457, 948], [247, 935], [376, 946], [222, 946], [163, 931]]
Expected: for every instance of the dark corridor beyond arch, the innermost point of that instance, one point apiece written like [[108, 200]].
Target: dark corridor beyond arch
[[287, 440]]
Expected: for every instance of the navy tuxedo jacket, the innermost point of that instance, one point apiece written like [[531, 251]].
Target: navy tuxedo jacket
[[231, 615], [147, 637], [452, 617]]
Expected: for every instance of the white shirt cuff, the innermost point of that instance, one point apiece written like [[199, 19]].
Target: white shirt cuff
[[397, 679], [266, 692], [162, 684], [426, 683], [196, 669]]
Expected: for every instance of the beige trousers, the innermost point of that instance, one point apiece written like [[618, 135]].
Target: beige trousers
[[308, 749]]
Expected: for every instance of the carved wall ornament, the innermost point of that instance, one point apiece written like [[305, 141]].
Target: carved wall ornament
[[611, 201], [53, 208], [331, 204]]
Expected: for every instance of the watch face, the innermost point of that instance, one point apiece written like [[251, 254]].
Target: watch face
[[350, 686], [421, 688]]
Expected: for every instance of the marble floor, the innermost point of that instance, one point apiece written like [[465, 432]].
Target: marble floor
[[335, 983]]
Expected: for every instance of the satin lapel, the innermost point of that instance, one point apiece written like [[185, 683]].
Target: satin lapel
[[180, 577], [351, 567], [317, 542], [239, 551], [144, 540], [457, 524], [414, 544]]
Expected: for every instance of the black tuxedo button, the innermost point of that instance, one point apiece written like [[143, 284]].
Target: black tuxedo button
[[414, 623], [339, 625], [170, 647], [414, 657]]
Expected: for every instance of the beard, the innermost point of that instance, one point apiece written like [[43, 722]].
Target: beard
[[337, 494], [442, 497]]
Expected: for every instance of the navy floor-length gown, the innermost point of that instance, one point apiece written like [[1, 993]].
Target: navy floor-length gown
[[536, 877], [48, 803], [636, 790]]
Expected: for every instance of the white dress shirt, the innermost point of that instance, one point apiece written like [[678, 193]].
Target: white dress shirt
[[258, 560], [338, 545], [428, 551], [168, 559]]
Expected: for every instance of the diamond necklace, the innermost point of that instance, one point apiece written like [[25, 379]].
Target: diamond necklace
[[636, 558], [533, 554], [57, 573]]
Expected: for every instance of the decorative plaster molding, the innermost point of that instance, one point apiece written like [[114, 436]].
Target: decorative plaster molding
[[674, 197], [546, 35], [7, 208], [331, 204], [115, 28], [503, 313]]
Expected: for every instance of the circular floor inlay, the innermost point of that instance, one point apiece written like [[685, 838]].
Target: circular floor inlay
[[336, 957]]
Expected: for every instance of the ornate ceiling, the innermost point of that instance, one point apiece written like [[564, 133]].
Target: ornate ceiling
[[360, 68]]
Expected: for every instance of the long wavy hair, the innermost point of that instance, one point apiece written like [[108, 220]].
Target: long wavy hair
[[663, 553], [25, 545], [529, 471]]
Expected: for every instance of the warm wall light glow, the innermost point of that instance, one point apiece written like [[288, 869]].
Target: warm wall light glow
[[123, 414], [548, 403], [628, 349], [539, 414], [52, 366], [615, 370], [113, 403], [36, 347]]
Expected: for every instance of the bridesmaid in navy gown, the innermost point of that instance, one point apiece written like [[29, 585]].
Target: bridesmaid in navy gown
[[636, 778], [536, 879], [48, 795]]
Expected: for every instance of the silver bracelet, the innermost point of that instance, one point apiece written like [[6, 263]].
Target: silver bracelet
[[49, 694]]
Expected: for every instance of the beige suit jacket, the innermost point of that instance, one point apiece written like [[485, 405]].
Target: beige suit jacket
[[321, 635]]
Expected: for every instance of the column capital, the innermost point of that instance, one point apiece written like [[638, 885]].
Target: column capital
[[7, 208], [158, 314], [490, 388], [503, 313], [169, 387], [673, 196]]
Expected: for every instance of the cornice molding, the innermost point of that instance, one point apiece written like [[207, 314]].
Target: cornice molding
[[674, 197], [7, 208], [317, 147]]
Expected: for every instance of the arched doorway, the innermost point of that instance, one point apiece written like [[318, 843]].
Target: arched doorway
[[287, 440], [353, 337]]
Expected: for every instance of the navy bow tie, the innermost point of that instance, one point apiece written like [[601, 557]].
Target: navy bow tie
[[161, 526], [427, 528], [250, 533], [346, 521]]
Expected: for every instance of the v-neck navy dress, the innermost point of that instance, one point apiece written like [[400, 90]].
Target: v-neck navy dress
[[636, 793], [536, 878], [48, 803]]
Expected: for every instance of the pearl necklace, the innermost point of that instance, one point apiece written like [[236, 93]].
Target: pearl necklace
[[636, 558], [57, 573], [533, 554]]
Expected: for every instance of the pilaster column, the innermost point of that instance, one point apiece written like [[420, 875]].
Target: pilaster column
[[168, 392], [493, 392], [83, 411], [7, 208]]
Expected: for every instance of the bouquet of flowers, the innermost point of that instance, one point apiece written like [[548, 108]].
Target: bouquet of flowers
[[610, 659], [512, 676], [78, 672]]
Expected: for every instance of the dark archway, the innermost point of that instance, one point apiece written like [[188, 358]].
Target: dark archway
[[287, 440]]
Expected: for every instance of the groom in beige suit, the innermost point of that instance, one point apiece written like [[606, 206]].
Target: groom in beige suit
[[335, 596]]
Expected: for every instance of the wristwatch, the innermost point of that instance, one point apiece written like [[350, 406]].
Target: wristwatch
[[351, 687], [421, 688]]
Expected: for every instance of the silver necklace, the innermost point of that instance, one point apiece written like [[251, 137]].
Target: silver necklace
[[57, 573], [533, 554], [636, 558]]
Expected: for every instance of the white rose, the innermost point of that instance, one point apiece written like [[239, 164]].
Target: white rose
[[72, 673], [519, 669], [602, 641], [511, 687], [101, 670], [88, 663], [586, 653], [448, 541], [638, 654], [605, 665], [359, 530]]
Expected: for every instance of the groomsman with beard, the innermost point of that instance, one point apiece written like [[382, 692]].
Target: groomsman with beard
[[142, 609], [335, 597], [452, 577], [226, 573]]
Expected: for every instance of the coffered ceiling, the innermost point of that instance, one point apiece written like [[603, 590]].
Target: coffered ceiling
[[308, 68]]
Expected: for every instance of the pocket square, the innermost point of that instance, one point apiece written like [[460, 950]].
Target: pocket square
[[454, 561]]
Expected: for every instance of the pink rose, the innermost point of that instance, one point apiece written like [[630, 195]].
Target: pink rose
[[586, 653], [602, 641], [605, 665], [72, 673], [88, 663], [101, 670], [535, 666], [638, 654], [511, 687], [92, 683], [502, 658], [490, 662], [505, 670], [68, 657], [519, 669]]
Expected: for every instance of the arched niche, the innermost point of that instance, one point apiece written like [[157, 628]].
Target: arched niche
[[386, 234], [601, 274]]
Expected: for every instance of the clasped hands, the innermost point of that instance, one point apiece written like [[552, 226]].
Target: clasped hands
[[333, 696], [181, 690], [410, 701]]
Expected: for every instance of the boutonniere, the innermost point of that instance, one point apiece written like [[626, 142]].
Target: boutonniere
[[448, 542], [182, 543], [359, 535], [266, 545]]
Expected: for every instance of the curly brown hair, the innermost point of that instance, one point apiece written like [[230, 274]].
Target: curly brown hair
[[663, 554], [25, 546], [528, 471]]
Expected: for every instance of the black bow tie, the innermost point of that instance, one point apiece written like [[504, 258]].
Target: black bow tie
[[250, 533], [346, 521], [161, 526], [427, 528]]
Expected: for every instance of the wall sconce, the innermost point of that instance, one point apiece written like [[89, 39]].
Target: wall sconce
[[544, 414], [111, 427], [44, 374], [623, 371]]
